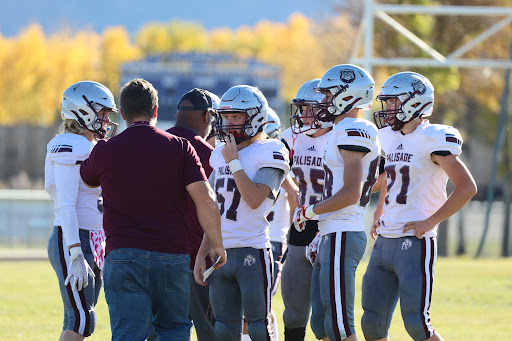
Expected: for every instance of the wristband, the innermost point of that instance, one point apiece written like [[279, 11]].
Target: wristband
[[309, 212], [235, 165], [75, 252]]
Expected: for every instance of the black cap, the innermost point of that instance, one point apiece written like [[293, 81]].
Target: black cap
[[200, 99]]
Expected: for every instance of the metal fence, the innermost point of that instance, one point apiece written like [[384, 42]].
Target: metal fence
[[26, 223]]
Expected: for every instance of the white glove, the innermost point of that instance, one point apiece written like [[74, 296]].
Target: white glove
[[78, 270], [301, 216], [312, 249]]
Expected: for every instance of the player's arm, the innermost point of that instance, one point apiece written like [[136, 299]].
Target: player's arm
[[252, 193], [382, 176], [67, 181], [67, 178], [350, 193], [292, 190], [380, 207], [465, 186], [465, 189]]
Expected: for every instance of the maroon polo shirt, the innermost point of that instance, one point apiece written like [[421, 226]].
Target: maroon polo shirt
[[204, 150], [143, 173]]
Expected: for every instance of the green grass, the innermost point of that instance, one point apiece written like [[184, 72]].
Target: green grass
[[472, 301]]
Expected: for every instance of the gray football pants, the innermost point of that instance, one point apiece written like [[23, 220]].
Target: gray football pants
[[333, 284], [243, 287], [295, 287], [399, 268]]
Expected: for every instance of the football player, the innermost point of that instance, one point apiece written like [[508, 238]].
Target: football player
[[350, 163], [306, 140], [248, 170], [420, 158], [75, 248]]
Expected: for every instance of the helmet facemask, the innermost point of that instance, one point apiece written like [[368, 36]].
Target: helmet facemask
[[240, 132], [97, 125], [338, 105], [303, 111], [396, 118]]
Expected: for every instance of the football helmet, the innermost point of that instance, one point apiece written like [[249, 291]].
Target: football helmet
[[215, 100], [351, 87], [83, 102], [302, 108], [416, 98], [273, 124], [241, 99]]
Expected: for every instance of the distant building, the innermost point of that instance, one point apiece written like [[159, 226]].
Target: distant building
[[174, 74]]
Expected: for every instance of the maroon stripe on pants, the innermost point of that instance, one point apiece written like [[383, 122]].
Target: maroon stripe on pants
[[431, 268], [264, 268], [423, 285], [334, 312], [86, 311], [276, 280], [68, 287], [76, 327], [342, 281]]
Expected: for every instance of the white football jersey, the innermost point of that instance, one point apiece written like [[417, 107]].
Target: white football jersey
[[416, 185], [279, 218], [356, 134], [243, 226], [76, 205], [307, 153]]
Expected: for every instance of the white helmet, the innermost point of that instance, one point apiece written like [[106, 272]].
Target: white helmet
[[351, 87], [273, 124], [305, 103], [83, 101], [246, 99], [215, 100], [416, 95]]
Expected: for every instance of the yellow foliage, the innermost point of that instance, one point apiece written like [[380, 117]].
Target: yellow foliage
[[116, 49], [221, 40], [154, 38], [36, 69]]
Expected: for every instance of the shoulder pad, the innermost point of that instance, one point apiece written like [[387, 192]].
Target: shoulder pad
[[444, 138], [274, 154], [69, 149], [358, 132], [440, 130]]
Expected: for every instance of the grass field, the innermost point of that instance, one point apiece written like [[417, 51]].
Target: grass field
[[472, 301]]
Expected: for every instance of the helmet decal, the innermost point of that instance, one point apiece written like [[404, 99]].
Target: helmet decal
[[347, 75], [418, 87]]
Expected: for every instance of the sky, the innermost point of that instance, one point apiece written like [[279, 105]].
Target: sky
[[55, 15]]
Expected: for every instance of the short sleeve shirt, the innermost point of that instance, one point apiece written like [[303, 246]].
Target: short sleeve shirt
[[143, 173]]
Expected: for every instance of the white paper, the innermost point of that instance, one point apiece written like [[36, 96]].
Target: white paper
[[209, 271]]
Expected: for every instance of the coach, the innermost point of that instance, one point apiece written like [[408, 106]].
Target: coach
[[196, 111], [145, 174]]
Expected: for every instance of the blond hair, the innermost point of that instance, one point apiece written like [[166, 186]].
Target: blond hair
[[71, 126]]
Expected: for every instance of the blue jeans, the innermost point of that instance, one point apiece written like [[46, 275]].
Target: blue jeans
[[140, 282]]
